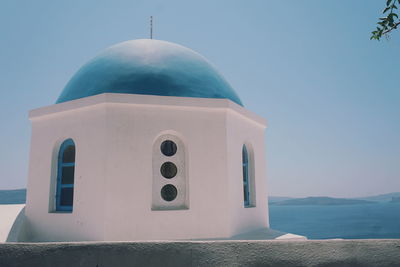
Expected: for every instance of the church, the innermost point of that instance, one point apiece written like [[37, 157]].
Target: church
[[147, 141]]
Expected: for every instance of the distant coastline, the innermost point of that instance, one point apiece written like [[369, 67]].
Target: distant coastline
[[321, 201], [395, 200], [328, 201]]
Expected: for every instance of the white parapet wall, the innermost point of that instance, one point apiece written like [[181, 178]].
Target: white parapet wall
[[11, 221]]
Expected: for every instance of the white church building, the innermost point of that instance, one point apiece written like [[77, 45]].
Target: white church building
[[147, 141]]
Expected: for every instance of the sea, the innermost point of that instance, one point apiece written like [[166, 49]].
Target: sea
[[361, 221]]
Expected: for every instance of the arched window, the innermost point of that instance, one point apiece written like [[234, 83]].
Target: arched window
[[170, 185], [65, 176], [246, 181]]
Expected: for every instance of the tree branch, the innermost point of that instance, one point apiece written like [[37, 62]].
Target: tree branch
[[392, 28]]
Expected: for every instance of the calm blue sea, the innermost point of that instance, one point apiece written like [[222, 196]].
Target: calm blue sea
[[380, 220]]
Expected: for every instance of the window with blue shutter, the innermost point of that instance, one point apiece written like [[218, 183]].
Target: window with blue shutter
[[65, 176], [246, 185]]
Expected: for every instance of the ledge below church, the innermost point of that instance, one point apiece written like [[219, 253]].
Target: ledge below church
[[204, 253]]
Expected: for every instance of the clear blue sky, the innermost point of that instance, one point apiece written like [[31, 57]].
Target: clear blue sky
[[331, 96]]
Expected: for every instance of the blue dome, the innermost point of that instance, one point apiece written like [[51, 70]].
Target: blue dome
[[148, 67]]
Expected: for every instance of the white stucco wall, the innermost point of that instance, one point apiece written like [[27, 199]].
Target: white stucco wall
[[243, 130], [87, 128], [114, 136], [132, 132]]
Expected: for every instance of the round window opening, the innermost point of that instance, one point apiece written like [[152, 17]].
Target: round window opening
[[168, 170], [168, 148], [169, 192]]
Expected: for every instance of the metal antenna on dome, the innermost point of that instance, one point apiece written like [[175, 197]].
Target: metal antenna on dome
[[151, 27]]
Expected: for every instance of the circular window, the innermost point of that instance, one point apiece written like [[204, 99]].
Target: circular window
[[168, 148], [169, 192], [168, 170]]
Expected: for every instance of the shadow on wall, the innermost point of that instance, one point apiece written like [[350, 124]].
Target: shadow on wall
[[18, 231]]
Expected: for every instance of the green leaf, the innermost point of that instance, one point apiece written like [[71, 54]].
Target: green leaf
[[388, 2], [386, 9]]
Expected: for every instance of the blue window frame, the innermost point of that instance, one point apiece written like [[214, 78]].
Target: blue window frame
[[246, 185], [65, 176]]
